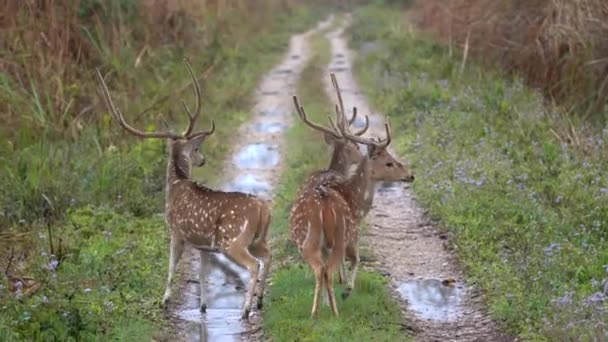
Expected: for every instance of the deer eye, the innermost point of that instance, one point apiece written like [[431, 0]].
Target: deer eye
[[389, 164]]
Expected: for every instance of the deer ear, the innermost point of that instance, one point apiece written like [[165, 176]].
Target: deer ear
[[329, 139], [196, 140]]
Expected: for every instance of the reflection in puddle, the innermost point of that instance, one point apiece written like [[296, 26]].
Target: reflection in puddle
[[272, 112], [269, 127], [429, 299], [249, 184], [225, 295], [255, 156], [338, 69], [389, 186], [284, 71]]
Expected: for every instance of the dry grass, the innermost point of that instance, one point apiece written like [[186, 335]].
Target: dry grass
[[559, 46]]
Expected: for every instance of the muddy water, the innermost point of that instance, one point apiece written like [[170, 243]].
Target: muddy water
[[407, 247], [254, 168]]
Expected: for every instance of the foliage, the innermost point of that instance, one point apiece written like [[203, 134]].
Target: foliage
[[68, 169], [528, 209], [558, 46]]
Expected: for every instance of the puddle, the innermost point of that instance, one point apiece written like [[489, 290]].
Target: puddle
[[257, 156], [338, 69], [272, 112], [269, 127], [250, 184], [391, 187], [225, 296], [431, 300], [284, 71]]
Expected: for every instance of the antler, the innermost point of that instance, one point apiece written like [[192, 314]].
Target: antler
[[381, 144], [340, 105], [335, 132], [117, 114], [340, 110], [350, 122], [197, 91]]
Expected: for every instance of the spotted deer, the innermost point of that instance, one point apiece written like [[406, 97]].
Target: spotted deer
[[328, 219], [346, 155], [235, 224]]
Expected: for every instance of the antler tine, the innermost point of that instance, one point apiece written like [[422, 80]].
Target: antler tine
[[364, 129], [342, 119], [370, 142], [335, 132], [197, 91], [121, 120], [354, 117]]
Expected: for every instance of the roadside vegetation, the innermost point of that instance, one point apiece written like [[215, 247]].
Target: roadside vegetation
[[520, 184], [83, 247], [369, 314], [558, 46]]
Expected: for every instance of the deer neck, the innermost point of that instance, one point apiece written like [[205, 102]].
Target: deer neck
[[337, 162], [361, 187], [178, 169]]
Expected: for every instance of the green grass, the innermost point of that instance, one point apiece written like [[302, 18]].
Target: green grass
[[106, 189], [528, 211], [369, 314]]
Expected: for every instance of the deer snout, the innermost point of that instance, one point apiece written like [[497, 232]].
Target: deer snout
[[409, 178]]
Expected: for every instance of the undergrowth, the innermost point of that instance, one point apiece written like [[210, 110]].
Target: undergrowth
[[369, 314], [83, 247], [527, 209]]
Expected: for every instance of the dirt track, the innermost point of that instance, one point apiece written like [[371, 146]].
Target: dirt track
[[254, 167], [436, 302]]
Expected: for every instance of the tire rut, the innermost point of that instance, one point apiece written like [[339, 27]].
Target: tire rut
[[254, 166], [426, 279]]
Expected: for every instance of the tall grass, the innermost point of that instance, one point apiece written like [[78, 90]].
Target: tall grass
[[559, 46]]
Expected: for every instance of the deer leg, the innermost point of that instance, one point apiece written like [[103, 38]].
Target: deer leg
[[341, 274], [261, 251], [328, 279], [242, 257], [175, 253], [352, 253], [202, 280]]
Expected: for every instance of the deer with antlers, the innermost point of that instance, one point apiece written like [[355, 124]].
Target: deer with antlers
[[330, 205], [235, 224]]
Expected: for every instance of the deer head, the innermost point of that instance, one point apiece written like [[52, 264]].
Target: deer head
[[345, 153], [184, 148], [384, 167]]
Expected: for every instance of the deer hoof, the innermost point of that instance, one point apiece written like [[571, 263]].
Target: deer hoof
[[347, 292], [245, 315], [203, 307]]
